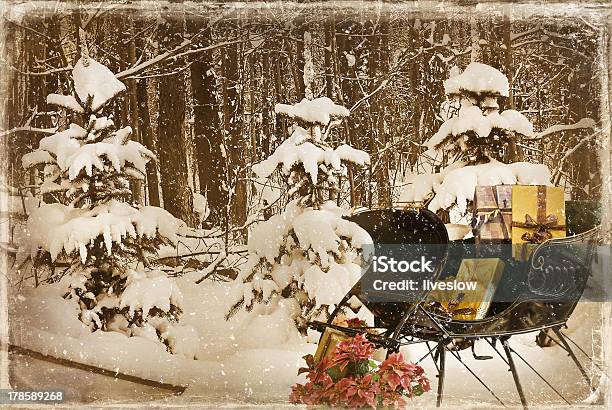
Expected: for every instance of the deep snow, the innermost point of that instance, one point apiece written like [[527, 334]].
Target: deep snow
[[254, 357]]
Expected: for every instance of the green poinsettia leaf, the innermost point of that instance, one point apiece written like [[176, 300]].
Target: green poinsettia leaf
[[417, 390], [335, 373], [361, 368]]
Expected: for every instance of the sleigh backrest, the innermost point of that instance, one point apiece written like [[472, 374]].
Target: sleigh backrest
[[412, 233]]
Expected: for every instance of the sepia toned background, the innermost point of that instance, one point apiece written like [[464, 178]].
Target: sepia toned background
[[203, 79]]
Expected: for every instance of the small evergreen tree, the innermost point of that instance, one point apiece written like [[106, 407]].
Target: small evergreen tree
[[307, 254], [475, 139], [108, 240], [478, 132]]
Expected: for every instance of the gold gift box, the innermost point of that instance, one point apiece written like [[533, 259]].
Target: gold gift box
[[472, 304], [327, 344], [538, 214]]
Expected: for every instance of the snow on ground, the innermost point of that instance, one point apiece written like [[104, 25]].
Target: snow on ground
[[252, 357]]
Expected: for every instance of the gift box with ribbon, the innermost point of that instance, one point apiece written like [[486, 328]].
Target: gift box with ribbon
[[482, 276], [538, 214], [493, 214]]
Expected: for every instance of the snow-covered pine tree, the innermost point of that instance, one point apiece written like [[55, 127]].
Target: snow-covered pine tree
[[94, 224], [308, 255], [479, 133], [474, 137]]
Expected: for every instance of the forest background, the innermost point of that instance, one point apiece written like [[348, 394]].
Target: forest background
[[202, 81]]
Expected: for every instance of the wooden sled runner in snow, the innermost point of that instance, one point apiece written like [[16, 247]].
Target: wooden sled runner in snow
[[554, 280], [68, 375]]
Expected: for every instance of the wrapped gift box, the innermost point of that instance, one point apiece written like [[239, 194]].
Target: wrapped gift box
[[493, 214], [327, 344], [471, 304], [538, 214], [330, 339]]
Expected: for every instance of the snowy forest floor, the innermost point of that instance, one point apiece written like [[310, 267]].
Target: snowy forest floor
[[253, 358]]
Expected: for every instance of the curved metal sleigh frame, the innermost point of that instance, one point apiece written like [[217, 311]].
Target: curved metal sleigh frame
[[557, 273]]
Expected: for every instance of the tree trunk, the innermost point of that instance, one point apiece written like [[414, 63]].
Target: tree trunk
[[148, 139], [476, 54], [515, 153], [136, 187], [209, 142], [36, 52], [381, 50], [298, 66], [172, 139], [329, 74], [280, 125], [233, 120], [308, 66], [267, 126]]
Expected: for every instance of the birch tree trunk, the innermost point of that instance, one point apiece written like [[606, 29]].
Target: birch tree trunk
[[476, 54], [515, 153]]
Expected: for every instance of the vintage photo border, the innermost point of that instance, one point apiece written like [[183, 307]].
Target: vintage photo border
[[522, 10]]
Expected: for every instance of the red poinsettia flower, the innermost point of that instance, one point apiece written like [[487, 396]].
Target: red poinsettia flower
[[361, 386], [407, 378], [392, 399], [354, 350], [356, 392]]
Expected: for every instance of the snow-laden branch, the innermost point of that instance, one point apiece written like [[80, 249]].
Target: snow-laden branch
[[539, 30], [582, 124], [381, 86], [177, 52], [28, 128], [571, 151], [405, 58], [550, 44], [43, 73], [210, 269]]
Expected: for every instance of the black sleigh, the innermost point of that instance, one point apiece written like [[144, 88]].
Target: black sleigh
[[540, 299]]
